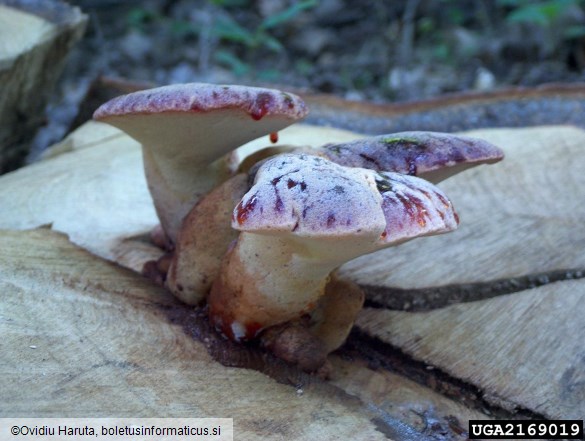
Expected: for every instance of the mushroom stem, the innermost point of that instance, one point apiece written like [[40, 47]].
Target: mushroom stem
[[265, 296]]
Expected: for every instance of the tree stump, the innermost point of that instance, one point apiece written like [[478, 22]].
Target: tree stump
[[35, 37], [485, 322]]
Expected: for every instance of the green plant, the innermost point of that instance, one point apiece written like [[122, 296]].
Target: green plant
[[542, 13], [225, 29]]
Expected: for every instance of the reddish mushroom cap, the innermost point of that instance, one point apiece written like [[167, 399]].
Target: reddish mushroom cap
[[311, 197], [430, 155], [200, 97], [186, 128]]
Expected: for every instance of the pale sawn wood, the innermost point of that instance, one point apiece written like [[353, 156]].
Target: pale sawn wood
[[83, 337]]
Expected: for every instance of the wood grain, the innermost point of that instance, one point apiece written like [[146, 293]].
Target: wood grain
[[83, 337], [523, 351], [518, 217]]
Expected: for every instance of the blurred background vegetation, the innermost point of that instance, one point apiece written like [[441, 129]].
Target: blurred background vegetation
[[377, 50]]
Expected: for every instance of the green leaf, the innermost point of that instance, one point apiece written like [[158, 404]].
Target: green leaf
[[528, 14], [574, 32], [269, 75], [230, 30], [288, 14], [138, 17], [271, 43], [541, 13], [237, 66], [230, 3]]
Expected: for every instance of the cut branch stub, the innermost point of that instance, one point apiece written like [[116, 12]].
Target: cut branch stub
[[430, 155], [303, 217], [185, 129]]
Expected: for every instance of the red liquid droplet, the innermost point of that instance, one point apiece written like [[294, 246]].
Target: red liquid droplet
[[252, 330], [261, 106], [243, 211], [274, 137]]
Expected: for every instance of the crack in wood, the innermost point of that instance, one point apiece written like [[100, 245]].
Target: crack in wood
[[195, 323], [426, 299], [381, 355]]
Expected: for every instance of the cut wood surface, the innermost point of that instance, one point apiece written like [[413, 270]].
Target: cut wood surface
[[520, 227], [523, 350], [35, 37], [82, 337], [519, 217]]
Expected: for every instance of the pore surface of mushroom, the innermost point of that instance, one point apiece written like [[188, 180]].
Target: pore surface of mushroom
[[303, 217], [186, 129]]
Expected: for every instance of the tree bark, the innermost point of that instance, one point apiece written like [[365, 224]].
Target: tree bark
[[35, 38]]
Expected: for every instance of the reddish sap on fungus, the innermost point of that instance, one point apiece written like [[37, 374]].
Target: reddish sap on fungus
[[261, 106], [243, 211], [274, 137]]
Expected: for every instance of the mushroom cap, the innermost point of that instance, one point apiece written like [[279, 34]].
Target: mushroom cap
[[192, 98], [430, 155], [185, 128], [310, 197]]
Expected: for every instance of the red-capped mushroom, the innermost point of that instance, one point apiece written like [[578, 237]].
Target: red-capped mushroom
[[303, 217], [429, 155], [186, 129]]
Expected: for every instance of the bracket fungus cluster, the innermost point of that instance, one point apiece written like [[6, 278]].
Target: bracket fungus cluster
[[261, 242]]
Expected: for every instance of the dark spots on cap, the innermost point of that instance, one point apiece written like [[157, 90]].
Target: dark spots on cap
[[263, 103], [411, 166], [290, 103], [443, 199], [243, 210], [383, 184], [276, 180], [305, 210], [371, 160], [195, 106], [426, 193], [296, 227], [338, 189], [278, 205], [330, 220], [180, 287], [414, 208], [214, 94], [291, 183]]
